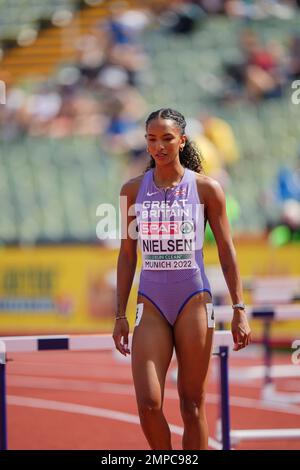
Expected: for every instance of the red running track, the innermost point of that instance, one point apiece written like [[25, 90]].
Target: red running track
[[85, 400]]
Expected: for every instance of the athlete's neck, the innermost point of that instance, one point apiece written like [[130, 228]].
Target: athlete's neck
[[168, 176]]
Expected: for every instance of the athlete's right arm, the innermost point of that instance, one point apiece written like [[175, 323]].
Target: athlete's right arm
[[126, 265]]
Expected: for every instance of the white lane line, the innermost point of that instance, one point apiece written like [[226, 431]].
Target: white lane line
[[67, 384], [123, 389], [90, 411], [265, 406]]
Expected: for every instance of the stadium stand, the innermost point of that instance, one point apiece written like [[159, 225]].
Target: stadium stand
[[45, 180]]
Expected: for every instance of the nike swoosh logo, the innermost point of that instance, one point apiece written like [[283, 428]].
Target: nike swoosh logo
[[152, 194]]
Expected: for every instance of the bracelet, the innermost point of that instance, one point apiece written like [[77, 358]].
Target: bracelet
[[241, 306], [121, 317]]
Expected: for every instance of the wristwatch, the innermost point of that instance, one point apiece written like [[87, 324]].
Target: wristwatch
[[241, 306]]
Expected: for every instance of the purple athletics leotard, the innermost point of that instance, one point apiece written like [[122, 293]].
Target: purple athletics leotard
[[171, 232]]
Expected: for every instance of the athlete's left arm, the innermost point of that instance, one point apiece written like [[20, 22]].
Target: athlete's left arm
[[213, 197]]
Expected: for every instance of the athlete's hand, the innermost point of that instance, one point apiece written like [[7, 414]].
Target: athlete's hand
[[120, 336], [240, 330]]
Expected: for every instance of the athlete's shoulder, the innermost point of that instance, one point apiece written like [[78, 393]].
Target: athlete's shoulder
[[206, 181], [131, 187], [208, 187]]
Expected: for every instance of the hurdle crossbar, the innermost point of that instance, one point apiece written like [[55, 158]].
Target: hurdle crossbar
[[264, 434], [223, 313], [57, 342]]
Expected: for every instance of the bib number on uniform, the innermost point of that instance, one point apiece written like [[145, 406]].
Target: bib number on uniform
[[139, 313], [168, 245]]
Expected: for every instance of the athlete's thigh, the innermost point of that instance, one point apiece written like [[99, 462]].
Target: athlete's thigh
[[193, 343], [152, 350]]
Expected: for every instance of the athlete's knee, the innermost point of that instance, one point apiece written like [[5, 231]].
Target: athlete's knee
[[192, 408], [148, 406]]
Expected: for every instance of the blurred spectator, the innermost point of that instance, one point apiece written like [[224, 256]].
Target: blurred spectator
[[260, 73], [293, 58], [181, 17], [212, 6], [288, 183], [221, 135], [284, 201], [259, 10], [97, 95], [217, 143], [212, 161]]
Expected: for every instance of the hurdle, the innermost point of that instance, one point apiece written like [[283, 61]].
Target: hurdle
[[267, 314], [104, 342]]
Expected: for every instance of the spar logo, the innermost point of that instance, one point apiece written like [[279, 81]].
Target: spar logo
[[166, 227], [160, 228]]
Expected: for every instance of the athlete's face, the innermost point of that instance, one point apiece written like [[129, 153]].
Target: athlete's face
[[164, 140]]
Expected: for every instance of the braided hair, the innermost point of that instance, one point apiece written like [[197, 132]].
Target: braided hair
[[190, 156]]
